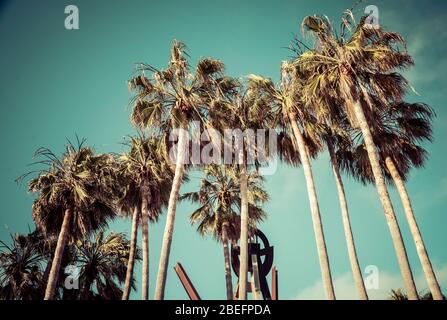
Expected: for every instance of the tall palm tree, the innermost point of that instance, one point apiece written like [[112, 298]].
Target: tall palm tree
[[133, 248], [352, 252], [74, 198], [290, 112], [102, 261], [220, 200], [236, 107], [171, 99], [335, 131], [355, 66], [146, 178], [20, 269], [397, 130]]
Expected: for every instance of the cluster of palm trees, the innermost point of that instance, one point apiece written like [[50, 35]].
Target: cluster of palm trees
[[345, 93], [101, 262]]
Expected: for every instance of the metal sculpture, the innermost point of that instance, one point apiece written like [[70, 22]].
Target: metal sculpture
[[260, 264], [186, 282]]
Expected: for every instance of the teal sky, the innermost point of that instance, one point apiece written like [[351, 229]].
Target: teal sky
[[55, 83]]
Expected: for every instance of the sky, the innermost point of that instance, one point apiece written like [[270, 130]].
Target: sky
[[55, 83]]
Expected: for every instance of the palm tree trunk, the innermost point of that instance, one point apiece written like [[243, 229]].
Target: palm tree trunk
[[145, 244], [46, 273], [390, 216], [170, 219], [132, 253], [86, 289], [226, 251], [56, 263], [243, 258], [353, 259], [315, 210], [415, 232]]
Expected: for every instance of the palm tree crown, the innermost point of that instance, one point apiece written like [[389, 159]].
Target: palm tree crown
[[397, 131], [81, 181], [103, 261], [219, 197], [144, 166], [20, 269]]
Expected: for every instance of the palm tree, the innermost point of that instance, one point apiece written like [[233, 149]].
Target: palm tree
[[336, 132], [20, 269], [238, 108], [133, 246], [146, 179], [396, 132], [289, 110], [74, 198], [332, 129], [102, 261], [171, 99], [352, 252], [220, 199], [355, 68]]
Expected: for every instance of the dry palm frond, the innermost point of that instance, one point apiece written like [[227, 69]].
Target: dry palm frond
[[80, 181]]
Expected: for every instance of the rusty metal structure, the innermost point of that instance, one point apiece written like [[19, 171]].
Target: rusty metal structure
[[186, 282], [260, 265], [260, 255]]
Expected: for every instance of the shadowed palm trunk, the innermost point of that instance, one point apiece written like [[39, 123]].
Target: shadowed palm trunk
[[46, 273], [56, 263], [226, 251], [133, 249], [390, 216], [243, 267], [145, 243], [170, 219], [86, 290], [415, 232], [315, 210], [353, 259]]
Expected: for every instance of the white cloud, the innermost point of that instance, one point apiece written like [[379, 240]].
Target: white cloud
[[345, 288]]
